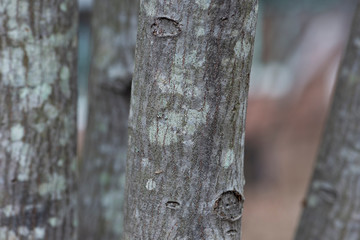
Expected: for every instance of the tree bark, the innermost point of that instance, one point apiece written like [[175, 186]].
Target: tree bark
[[187, 118], [103, 168], [37, 119], [332, 209]]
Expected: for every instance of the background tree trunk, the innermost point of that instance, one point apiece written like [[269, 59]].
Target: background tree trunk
[[187, 118], [38, 49], [332, 209], [103, 166]]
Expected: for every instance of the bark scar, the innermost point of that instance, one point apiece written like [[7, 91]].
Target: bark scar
[[172, 204], [165, 27], [229, 205]]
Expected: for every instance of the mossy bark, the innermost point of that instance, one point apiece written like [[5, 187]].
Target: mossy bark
[[187, 119], [332, 209], [38, 95], [102, 169]]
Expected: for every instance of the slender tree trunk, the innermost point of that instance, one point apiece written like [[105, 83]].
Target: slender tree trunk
[[103, 167], [332, 209], [186, 129], [37, 119]]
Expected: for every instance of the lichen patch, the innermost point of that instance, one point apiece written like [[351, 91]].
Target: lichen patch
[[17, 132], [55, 186], [150, 184], [203, 4], [227, 158]]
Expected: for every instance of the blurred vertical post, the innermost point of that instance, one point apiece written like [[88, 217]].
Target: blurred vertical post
[[102, 169], [187, 119], [38, 50], [332, 209]]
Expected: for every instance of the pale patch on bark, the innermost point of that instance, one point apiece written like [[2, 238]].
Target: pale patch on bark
[[39, 232], [166, 129], [55, 186], [150, 184], [54, 222], [204, 4], [17, 132], [227, 158], [10, 210], [242, 48], [64, 84]]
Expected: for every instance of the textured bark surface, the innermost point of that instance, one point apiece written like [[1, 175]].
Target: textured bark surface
[[187, 118], [103, 166], [332, 207], [37, 119]]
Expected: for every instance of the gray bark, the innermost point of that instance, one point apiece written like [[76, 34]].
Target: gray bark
[[37, 119], [103, 166], [187, 117], [332, 209]]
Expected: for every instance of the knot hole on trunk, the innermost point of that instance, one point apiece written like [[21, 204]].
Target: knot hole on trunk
[[229, 205], [165, 27]]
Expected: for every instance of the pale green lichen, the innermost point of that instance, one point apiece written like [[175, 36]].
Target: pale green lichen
[[166, 130], [64, 81], [21, 153], [203, 4], [7, 234], [39, 232], [51, 111], [200, 31], [17, 132], [312, 200], [176, 83], [227, 158], [144, 162], [242, 48], [24, 231], [194, 61], [54, 222], [250, 21], [10, 210], [60, 162], [63, 7], [39, 127], [69, 127], [55, 186], [3, 233], [12, 67], [34, 97], [48, 66], [227, 62], [150, 8], [150, 184]]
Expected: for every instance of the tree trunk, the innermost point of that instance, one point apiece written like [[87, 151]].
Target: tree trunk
[[103, 168], [186, 128], [332, 209], [37, 120]]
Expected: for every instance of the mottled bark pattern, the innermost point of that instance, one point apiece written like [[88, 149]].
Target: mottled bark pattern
[[332, 207], [37, 120], [103, 165], [186, 128]]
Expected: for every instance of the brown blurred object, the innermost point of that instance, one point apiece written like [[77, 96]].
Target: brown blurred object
[[288, 102]]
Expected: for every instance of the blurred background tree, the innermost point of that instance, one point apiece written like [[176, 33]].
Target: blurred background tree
[[102, 169], [332, 209]]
